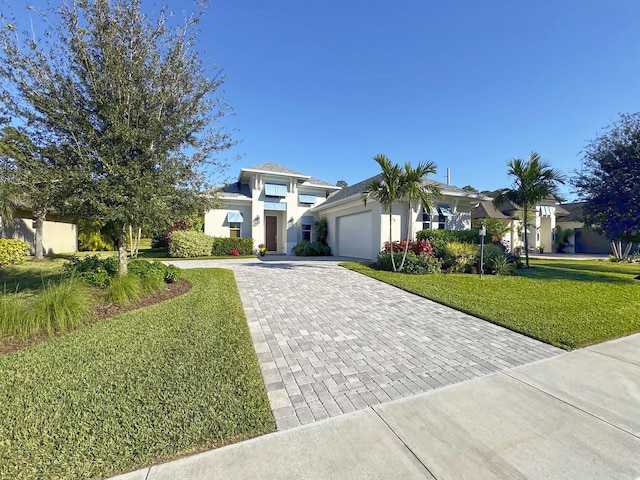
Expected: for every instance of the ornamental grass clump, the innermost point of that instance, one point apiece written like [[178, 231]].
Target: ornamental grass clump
[[59, 307], [13, 312], [124, 289]]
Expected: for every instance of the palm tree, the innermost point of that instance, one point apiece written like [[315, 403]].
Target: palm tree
[[386, 188], [533, 181], [414, 189]]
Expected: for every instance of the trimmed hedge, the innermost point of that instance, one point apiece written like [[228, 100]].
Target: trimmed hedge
[[414, 264], [306, 249], [12, 251], [190, 243], [223, 246], [439, 238]]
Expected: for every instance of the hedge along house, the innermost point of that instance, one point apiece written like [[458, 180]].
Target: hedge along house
[[59, 234], [360, 231], [269, 203], [541, 230]]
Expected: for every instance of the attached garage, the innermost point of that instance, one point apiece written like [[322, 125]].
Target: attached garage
[[590, 241], [354, 235]]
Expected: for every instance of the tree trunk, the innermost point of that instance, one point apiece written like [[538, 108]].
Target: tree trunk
[[122, 252], [406, 246], [393, 256], [38, 247], [526, 237]]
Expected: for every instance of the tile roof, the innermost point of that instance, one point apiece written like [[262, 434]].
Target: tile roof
[[575, 212], [358, 189], [486, 209], [276, 168], [236, 190]]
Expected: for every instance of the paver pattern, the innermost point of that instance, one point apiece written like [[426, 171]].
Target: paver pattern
[[331, 341]]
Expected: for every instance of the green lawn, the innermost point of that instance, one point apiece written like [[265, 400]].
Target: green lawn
[[150, 385], [569, 304]]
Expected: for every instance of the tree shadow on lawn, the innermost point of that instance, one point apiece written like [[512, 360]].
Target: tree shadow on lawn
[[582, 273], [13, 280]]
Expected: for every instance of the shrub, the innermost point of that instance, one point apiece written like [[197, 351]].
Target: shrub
[[439, 238], [414, 264], [124, 289], [13, 313], [459, 257], [321, 229], [152, 284], [172, 274], [162, 240], [189, 243], [59, 307], [307, 249], [223, 246], [419, 247], [503, 265], [12, 251], [93, 269]]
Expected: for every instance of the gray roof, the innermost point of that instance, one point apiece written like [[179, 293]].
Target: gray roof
[[236, 190], [271, 167], [315, 181], [486, 209], [575, 212], [358, 189]]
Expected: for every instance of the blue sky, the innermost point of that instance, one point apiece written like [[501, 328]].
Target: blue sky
[[322, 87]]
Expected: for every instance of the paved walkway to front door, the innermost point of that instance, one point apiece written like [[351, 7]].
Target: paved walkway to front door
[[331, 341]]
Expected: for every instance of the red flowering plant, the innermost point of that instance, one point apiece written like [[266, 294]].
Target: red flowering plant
[[235, 253], [419, 247]]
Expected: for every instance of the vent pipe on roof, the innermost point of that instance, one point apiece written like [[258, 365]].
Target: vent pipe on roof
[[448, 176]]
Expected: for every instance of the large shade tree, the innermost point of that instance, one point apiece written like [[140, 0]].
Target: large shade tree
[[533, 181], [609, 182], [129, 98]]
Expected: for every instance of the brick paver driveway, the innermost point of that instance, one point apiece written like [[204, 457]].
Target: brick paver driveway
[[331, 341]]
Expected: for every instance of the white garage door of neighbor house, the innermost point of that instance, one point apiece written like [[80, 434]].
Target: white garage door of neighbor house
[[354, 235]]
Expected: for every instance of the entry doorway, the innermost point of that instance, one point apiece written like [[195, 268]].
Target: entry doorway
[[272, 233]]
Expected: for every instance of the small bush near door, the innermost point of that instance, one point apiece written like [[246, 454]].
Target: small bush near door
[[314, 249], [224, 246]]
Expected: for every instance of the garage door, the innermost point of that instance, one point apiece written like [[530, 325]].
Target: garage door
[[354, 235]]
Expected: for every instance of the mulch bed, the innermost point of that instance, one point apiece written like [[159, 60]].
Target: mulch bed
[[102, 311]]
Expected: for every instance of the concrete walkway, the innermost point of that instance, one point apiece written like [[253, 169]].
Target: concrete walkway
[[574, 416], [331, 341]]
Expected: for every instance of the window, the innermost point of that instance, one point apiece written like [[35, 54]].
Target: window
[[307, 223], [433, 220], [234, 229]]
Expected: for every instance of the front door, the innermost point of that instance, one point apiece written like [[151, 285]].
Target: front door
[[272, 233]]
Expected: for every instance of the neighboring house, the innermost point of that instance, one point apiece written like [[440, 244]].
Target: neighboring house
[[542, 219], [360, 231], [584, 238], [269, 203], [59, 235]]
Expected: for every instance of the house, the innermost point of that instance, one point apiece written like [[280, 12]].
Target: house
[[59, 234], [359, 230], [583, 239], [541, 230], [269, 203]]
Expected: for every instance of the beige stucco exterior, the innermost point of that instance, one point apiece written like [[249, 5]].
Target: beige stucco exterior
[[58, 235]]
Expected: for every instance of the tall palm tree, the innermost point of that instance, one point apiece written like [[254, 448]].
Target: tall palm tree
[[414, 189], [386, 188], [533, 181]]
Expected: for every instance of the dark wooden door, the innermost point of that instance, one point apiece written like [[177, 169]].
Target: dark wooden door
[[272, 233]]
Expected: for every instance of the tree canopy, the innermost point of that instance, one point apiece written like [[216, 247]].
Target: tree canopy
[[128, 99], [609, 182]]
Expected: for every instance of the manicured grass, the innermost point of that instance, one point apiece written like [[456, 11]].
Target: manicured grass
[[150, 385], [29, 275], [569, 304]]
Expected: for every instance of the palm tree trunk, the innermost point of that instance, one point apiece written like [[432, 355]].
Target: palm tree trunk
[[406, 243], [526, 236], [393, 254]]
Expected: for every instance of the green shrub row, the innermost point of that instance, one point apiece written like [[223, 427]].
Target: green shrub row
[[224, 246], [99, 272], [414, 264], [439, 238], [459, 257], [307, 249], [12, 251], [191, 243]]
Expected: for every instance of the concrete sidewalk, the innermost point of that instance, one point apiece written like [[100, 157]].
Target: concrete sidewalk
[[574, 416]]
